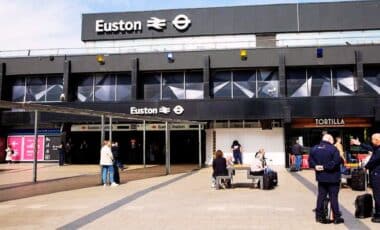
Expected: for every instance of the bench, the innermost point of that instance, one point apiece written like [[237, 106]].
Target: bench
[[218, 180], [256, 177]]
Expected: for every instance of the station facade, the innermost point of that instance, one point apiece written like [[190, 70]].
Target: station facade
[[262, 75]]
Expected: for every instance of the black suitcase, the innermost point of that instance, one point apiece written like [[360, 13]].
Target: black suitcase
[[363, 206], [358, 179], [274, 177], [267, 181]]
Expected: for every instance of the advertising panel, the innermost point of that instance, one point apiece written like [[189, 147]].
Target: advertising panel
[[16, 143], [28, 154]]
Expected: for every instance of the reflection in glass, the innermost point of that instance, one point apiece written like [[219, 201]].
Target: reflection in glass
[[173, 86], [244, 84], [268, 83], [18, 89], [152, 85], [296, 83], [105, 87], [321, 81], [372, 80], [123, 87], [221, 84], [85, 88], [344, 82], [54, 88], [35, 89], [194, 85]]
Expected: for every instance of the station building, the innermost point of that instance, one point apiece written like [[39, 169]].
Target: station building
[[263, 75]]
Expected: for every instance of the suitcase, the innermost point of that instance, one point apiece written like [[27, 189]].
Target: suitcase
[[363, 206], [358, 179], [274, 178], [267, 181]]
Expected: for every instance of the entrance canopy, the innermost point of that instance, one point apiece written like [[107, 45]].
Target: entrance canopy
[[36, 108]]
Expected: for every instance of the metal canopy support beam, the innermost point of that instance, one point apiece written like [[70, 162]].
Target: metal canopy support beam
[[167, 148], [2, 76], [89, 112], [200, 146], [102, 135], [110, 129], [35, 146], [144, 143]]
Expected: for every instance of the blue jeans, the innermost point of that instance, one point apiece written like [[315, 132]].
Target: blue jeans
[[298, 161], [238, 158], [105, 170]]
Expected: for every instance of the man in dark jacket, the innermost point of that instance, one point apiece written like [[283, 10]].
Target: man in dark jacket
[[297, 152], [373, 165], [325, 159]]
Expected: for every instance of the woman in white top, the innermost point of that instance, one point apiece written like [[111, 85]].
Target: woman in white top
[[258, 165], [8, 156], [106, 161]]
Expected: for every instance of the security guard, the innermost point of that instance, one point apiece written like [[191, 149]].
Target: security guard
[[373, 166], [325, 159]]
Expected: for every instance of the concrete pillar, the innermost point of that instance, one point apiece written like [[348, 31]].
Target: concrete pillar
[[206, 77], [134, 78], [282, 76], [359, 73], [2, 76], [66, 77]]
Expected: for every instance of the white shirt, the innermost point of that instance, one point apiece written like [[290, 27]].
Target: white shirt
[[106, 157]]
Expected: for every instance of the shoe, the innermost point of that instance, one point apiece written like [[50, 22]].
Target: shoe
[[323, 220], [375, 219], [104, 185], [338, 220], [114, 184]]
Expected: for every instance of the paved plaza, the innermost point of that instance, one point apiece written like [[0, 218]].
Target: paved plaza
[[147, 199]]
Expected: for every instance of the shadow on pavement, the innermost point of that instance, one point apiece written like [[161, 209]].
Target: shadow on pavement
[[29, 189]]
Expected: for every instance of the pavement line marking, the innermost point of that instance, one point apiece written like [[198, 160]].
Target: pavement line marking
[[313, 188], [91, 217]]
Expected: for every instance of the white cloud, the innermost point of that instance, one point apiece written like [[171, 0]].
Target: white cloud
[[40, 24]]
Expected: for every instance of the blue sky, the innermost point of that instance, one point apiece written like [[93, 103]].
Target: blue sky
[[42, 24]]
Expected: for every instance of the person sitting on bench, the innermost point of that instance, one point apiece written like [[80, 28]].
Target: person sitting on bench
[[258, 164], [219, 166]]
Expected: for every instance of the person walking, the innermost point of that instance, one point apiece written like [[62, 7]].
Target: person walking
[[8, 154], [236, 150], [325, 159], [297, 152], [106, 161], [373, 165]]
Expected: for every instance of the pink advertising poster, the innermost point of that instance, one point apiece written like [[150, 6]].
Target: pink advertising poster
[[28, 154], [15, 143]]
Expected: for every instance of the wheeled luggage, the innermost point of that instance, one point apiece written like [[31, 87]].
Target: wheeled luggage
[[363, 206], [358, 179], [267, 181], [274, 177]]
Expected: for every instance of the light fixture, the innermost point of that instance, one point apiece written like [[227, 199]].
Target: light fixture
[[170, 57], [319, 52], [100, 59], [243, 55]]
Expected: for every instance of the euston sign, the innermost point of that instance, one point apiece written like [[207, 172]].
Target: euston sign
[[178, 110], [181, 22]]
